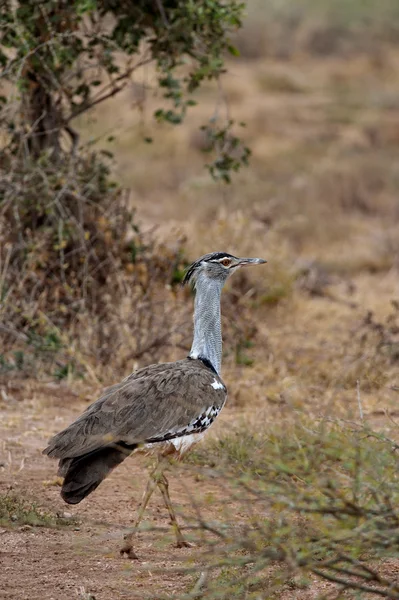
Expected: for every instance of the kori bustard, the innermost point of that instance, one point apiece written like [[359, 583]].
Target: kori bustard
[[163, 408]]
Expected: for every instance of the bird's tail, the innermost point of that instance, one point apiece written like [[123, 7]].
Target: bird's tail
[[84, 474]]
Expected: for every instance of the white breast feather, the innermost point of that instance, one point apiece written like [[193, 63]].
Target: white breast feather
[[183, 443]]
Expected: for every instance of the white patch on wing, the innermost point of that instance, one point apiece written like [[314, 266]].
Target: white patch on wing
[[217, 385]]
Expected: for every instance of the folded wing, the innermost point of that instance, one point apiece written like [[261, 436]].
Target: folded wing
[[154, 404]]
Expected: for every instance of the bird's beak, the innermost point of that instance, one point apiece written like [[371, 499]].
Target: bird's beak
[[245, 262]]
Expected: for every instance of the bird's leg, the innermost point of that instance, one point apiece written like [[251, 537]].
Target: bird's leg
[[163, 485], [156, 478], [127, 547]]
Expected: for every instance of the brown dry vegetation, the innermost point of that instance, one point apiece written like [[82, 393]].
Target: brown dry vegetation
[[307, 337]]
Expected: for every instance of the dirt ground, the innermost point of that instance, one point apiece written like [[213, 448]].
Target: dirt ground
[[43, 563], [82, 560]]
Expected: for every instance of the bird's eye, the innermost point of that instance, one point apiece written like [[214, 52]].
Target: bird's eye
[[226, 262]]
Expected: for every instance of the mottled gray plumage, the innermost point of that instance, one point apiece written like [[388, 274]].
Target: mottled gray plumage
[[164, 407], [179, 392], [123, 418]]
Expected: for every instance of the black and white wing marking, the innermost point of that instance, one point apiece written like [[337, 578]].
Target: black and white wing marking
[[198, 425]]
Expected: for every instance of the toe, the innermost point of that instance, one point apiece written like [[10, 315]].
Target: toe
[[128, 552], [184, 544]]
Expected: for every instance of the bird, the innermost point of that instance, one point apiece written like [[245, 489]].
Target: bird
[[162, 409]]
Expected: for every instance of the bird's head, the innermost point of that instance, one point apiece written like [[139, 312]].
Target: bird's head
[[218, 266]]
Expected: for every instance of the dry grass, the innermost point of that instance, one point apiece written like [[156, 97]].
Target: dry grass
[[17, 511], [319, 201], [285, 29]]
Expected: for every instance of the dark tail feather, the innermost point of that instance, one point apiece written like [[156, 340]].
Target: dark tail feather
[[85, 473]]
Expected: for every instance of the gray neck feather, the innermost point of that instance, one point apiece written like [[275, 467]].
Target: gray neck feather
[[207, 342]]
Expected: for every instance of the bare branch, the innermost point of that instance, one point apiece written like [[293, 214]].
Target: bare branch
[[385, 593]]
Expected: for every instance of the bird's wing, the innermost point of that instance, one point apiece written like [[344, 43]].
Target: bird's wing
[[153, 404]]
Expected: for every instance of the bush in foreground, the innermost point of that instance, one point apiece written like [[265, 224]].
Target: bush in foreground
[[305, 503]]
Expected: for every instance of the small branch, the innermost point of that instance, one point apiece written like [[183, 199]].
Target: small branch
[[387, 593], [83, 109], [200, 585], [115, 90], [61, 250], [163, 13], [74, 137], [17, 334], [359, 400]]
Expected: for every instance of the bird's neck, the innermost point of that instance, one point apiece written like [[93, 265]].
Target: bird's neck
[[207, 342]]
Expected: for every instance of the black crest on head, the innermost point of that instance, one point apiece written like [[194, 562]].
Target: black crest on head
[[207, 257]]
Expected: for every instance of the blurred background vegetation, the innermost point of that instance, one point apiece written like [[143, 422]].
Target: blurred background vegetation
[[109, 115]]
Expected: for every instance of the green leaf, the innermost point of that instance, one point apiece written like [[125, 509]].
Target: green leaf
[[84, 6], [233, 50], [107, 153], [191, 50]]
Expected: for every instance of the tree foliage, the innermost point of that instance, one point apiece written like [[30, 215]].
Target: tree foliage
[[71, 255], [65, 57]]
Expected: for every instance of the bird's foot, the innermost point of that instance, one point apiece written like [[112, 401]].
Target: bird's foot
[[127, 549], [128, 552], [184, 544]]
